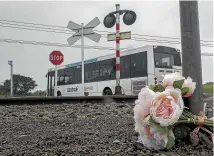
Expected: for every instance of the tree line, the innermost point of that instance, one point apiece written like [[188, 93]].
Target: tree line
[[22, 86]]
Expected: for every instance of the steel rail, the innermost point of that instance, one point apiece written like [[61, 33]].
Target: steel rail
[[32, 100]]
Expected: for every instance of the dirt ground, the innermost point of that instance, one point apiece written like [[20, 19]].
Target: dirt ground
[[78, 129]]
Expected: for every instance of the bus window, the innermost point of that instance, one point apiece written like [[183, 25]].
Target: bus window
[[163, 60], [107, 70], [166, 57], [125, 67], [68, 75], [139, 64], [60, 77], [77, 75], [91, 72], [112, 72]]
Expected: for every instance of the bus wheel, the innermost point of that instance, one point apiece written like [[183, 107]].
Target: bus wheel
[[107, 91], [59, 93]]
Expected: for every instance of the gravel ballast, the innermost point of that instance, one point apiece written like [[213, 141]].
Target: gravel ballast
[[78, 129]]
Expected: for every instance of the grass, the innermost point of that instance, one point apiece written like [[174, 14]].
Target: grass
[[208, 87]]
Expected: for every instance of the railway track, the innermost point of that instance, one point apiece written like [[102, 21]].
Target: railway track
[[64, 99], [30, 100]]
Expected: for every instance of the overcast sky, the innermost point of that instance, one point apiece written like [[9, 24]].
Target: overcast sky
[[157, 18]]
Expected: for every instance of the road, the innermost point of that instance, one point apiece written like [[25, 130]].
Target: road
[[76, 129]]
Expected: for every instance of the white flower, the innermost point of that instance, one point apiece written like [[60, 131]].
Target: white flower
[[167, 106], [142, 107], [169, 79], [150, 142], [152, 139], [143, 104], [191, 85]]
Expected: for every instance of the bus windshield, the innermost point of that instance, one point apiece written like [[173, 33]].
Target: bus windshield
[[167, 58]]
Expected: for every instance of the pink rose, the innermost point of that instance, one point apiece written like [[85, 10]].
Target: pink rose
[[167, 106], [147, 99]]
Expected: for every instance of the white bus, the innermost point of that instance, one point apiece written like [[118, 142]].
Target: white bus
[[139, 67]]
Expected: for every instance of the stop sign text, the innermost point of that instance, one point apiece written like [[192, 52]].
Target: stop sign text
[[56, 57]]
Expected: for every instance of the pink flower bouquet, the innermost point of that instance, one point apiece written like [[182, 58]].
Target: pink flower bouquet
[[160, 107]]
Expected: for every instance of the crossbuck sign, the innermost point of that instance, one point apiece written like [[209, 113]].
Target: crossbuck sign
[[82, 31]]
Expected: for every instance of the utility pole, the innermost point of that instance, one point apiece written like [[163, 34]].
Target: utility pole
[[10, 63], [191, 52], [11, 82]]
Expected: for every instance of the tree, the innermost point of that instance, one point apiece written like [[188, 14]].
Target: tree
[[208, 87], [1, 90], [22, 85]]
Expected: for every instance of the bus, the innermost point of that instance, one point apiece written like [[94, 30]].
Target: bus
[[138, 67]]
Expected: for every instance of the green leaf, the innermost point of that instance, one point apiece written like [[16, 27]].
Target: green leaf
[[170, 142], [151, 86], [159, 88], [178, 84], [184, 90], [161, 129], [158, 127]]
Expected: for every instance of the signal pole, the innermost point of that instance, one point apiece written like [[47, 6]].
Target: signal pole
[[82, 58], [191, 52], [109, 21], [118, 90]]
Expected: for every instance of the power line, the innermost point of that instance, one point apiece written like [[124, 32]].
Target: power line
[[55, 44], [166, 37], [41, 27], [36, 29], [133, 38], [33, 23], [163, 41], [66, 45], [64, 31], [45, 30], [166, 41]]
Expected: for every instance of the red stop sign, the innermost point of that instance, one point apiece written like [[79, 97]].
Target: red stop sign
[[56, 57]]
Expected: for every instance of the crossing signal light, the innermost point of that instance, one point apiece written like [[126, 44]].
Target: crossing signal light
[[129, 17], [109, 21]]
